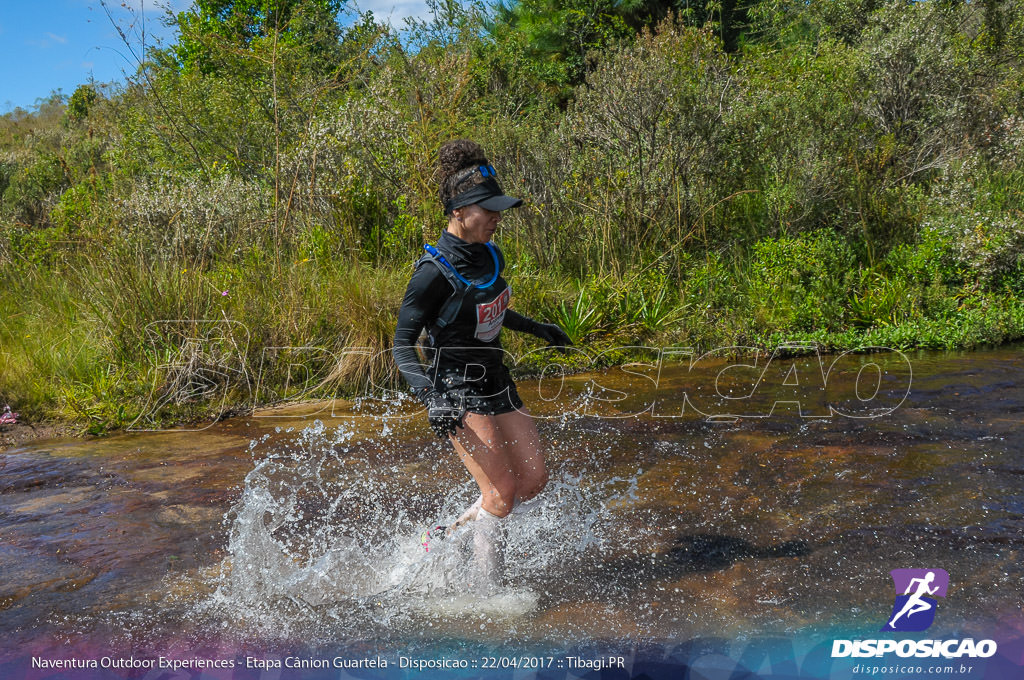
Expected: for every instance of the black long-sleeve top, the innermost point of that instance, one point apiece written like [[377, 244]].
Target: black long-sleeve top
[[474, 336]]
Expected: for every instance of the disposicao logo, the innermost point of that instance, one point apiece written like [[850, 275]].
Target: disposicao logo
[[914, 611]]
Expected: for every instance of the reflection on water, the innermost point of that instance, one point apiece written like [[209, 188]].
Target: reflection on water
[[287, 530]]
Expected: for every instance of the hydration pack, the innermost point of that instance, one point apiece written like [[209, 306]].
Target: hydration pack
[[460, 285]]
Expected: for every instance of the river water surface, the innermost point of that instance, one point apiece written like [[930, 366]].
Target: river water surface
[[301, 527]]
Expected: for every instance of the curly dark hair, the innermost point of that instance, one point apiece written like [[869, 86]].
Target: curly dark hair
[[457, 161]]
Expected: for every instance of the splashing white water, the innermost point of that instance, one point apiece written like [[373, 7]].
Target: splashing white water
[[321, 543]]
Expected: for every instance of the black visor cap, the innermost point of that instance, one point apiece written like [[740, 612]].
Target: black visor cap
[[488, 195], [499, 203]]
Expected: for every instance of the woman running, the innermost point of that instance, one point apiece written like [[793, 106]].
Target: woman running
[[458, 295]]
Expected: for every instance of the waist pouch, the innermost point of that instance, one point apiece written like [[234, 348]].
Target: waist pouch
[[493, 393]]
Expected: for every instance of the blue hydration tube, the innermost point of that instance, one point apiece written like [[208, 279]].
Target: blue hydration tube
[[494, 255]]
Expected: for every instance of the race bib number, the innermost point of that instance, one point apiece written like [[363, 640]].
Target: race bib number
[[489, 316]]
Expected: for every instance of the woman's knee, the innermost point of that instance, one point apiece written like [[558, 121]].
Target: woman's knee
[[499, 499], [532, 483]]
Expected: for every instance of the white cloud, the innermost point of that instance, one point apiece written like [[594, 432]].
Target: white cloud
[[392, 11], [45, 43], [57, 38]]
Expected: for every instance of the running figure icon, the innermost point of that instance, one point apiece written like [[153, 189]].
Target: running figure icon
[[916, 605]]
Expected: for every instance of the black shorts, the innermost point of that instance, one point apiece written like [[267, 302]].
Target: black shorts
[[493, 394]]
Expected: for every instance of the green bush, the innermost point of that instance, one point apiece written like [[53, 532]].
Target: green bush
[[82, 99], [33, 190], [976, 212], [802, 282], [649, 123]]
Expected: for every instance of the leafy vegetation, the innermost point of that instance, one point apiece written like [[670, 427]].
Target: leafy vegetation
[[696, 173]]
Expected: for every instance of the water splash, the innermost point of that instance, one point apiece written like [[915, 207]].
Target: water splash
[[323, 545]]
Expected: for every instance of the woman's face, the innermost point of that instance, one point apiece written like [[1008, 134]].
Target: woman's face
[[474, 224]]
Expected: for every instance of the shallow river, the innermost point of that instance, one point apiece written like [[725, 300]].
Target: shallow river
[[689, 503]]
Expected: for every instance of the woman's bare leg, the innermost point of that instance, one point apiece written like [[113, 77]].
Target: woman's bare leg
[[479, 445], [504, 456], [517, 432]]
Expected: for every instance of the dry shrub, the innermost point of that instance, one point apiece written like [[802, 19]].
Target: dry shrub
[[190, 218], [367, 307], [649, 127]]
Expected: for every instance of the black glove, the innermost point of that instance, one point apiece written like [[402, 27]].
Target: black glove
[[443, 414], [553, 335]]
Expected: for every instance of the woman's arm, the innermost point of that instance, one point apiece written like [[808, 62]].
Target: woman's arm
[[514, 321], [548, 332], [426, 293]]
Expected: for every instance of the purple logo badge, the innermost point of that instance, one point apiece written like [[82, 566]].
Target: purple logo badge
[[916, 589]]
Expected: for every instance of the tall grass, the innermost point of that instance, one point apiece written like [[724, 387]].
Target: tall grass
[[100, 341], [44, 346]]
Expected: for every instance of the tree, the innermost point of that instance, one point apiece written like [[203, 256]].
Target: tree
[[211, 25], [728, 18], [81, 101], [560, 33], [557, 35]]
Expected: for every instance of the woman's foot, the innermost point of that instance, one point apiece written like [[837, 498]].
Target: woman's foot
[[441, 531], [468, 515]]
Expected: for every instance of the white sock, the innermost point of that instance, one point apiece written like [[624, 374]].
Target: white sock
[[488, 563], [468, 515], [523, 507]]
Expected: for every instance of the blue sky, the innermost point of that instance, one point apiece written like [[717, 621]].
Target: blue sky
[[47, 45]]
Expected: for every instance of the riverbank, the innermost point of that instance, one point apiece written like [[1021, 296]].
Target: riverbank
[[976, 328], [20, 434]]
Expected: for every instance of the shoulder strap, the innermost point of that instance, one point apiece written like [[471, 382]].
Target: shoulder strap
[[451, 306]]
